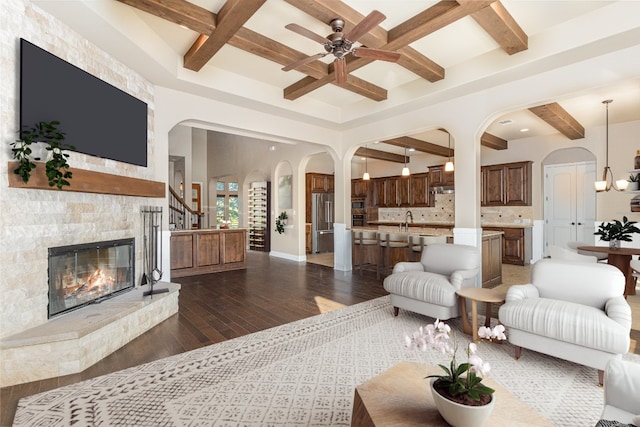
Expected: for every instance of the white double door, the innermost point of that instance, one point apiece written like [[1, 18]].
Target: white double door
[[569, 203]]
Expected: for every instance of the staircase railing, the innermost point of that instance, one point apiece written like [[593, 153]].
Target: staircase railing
[[181, 214]]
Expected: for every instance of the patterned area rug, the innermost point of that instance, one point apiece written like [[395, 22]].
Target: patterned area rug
[[299, 374]]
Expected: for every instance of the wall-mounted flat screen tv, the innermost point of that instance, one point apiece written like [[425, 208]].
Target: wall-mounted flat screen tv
[[96, 117]]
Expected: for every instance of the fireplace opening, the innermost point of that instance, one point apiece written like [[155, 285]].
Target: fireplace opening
[[89, 273]]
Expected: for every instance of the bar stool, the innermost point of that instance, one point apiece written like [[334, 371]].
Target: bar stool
[[386, 242], [417, 244], [362, 239]]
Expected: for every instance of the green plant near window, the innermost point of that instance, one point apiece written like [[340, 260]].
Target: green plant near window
[[281, 221], [617, 231], [56, 167]]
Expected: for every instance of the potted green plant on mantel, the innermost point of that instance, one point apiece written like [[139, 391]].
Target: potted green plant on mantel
[[24, 150], [634, 182], [615, 231]]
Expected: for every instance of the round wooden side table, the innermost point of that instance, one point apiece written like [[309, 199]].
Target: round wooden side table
[[475, 295]]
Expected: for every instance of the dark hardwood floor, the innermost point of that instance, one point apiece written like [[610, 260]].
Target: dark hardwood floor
[[217, 307]]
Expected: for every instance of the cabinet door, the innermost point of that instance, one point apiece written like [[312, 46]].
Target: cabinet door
[[491, 261], [517, 190], [391, 193], [403, 192], [493, 178], [318, 183], [329, 183], [419, 190], [513, 246], [447, 177], [359, 188], [379, 199], [436, 175]]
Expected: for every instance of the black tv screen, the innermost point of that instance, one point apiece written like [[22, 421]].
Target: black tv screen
[[96, 117]]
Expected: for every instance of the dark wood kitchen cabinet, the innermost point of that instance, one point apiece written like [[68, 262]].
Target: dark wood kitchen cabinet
[[507, 184], [359, 188], [516, 244], [419, 190], [320, 183]]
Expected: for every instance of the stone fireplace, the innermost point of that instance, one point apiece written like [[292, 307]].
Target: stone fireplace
[[85, 274]]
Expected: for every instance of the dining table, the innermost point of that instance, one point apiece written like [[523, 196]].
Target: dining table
[[621, 258]]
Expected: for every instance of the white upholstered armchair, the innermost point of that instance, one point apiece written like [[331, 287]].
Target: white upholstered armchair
[[429, 287], [622, 392], [571, 310]]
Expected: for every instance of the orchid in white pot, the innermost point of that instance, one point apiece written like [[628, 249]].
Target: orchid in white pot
[[462, 382]]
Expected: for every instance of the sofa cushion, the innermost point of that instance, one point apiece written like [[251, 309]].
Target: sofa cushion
[[422, 286], [566, 321]]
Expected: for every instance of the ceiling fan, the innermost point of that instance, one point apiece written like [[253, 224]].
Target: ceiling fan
[[339, 44]]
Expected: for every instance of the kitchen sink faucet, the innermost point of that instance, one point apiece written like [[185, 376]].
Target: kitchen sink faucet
[[407, 216]]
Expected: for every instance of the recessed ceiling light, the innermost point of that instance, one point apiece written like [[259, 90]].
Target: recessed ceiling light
[[412, 149], [505, 122], [272, 148], [524, 130]]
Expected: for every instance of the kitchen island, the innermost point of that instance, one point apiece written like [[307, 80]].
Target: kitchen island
[[207, 251], [491, 247]]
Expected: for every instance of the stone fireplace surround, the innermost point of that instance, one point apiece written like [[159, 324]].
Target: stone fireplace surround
[[74, 341]]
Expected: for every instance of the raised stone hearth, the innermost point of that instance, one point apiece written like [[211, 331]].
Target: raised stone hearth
[[74, 341]]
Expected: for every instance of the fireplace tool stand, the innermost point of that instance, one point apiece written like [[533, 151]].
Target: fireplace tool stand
[[152, 241]]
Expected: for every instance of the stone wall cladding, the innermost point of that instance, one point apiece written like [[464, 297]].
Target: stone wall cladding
[[34, 220]]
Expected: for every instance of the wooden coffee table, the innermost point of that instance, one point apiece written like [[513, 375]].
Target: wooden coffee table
[[475, 295], [401, 396]]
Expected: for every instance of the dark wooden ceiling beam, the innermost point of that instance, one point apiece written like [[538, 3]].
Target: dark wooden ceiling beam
[[381, 155], [180, 12], [430, 20], [500, 25], [420, 145], [267, 48], [492, 141], [560, 119], [202, 21], [230, 18]]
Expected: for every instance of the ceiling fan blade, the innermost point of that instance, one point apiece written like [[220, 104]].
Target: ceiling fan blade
[[304, 61], [306, 33], [383, 55], [340, 68], [364, 26]]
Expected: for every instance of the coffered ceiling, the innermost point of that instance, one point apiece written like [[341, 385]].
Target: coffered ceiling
[[236, 49]]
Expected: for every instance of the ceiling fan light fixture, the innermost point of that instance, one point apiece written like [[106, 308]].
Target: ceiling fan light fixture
[[607, 182]]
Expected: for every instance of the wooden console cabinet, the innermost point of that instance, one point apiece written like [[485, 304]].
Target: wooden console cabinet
[[207, 251]]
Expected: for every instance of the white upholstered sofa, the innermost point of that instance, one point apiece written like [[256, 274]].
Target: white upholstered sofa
[[571, 310], [429, 287]]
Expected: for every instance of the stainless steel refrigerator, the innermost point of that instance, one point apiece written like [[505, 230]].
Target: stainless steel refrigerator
[[322, 222]]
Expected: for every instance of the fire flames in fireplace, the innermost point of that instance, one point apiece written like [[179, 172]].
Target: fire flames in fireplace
[[83, 274], [95, 283]]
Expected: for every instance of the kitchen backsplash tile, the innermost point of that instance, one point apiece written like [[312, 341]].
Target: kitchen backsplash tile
[[444, 212]]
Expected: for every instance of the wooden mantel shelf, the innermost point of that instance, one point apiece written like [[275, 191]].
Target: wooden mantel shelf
[[86, 181]]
